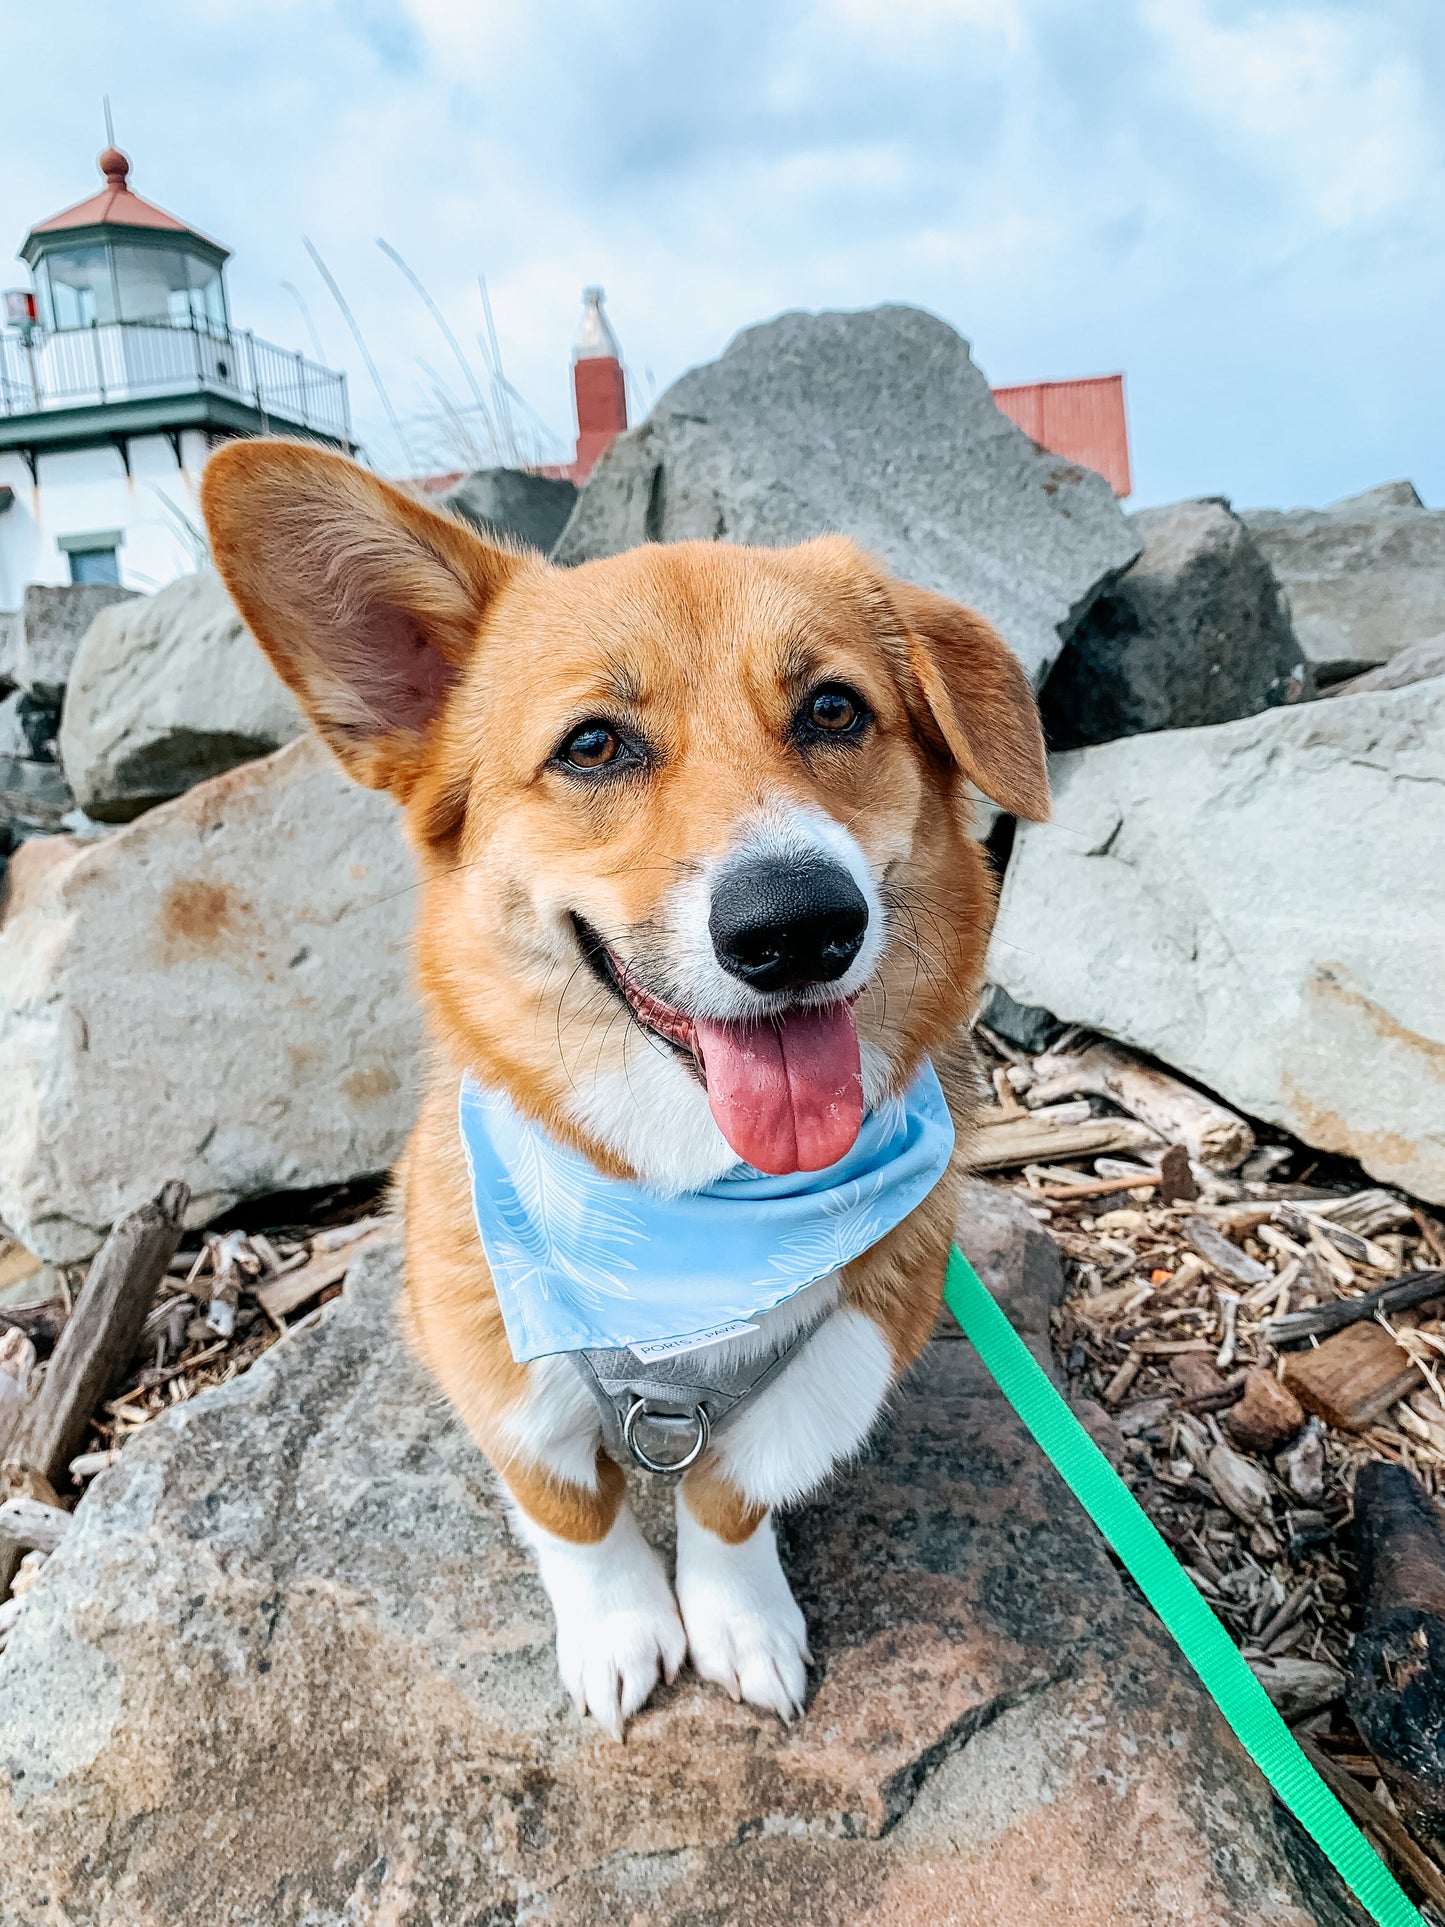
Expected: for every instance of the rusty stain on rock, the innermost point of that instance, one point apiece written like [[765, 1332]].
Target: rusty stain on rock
[[198, 917], [1332, 982], [369, 1086]]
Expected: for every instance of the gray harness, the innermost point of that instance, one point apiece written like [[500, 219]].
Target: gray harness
[[653, 1407]]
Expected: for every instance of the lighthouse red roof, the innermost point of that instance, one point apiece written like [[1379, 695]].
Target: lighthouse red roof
[[117, 205]]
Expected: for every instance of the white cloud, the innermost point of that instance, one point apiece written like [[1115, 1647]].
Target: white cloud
[[1239, 206], [1321, 100]]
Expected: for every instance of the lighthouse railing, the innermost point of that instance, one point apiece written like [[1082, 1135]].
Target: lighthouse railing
[[120, 361]]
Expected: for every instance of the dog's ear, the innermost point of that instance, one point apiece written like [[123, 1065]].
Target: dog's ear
[[979, 698], [367, 603]]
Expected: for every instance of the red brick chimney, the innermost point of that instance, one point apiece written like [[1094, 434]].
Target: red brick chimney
[[598, 385]]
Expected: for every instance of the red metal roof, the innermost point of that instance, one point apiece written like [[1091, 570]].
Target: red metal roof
[[116, 205], [1081, 421]]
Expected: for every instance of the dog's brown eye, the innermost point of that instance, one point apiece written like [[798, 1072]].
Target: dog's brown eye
[[835, 711], [593, 746]]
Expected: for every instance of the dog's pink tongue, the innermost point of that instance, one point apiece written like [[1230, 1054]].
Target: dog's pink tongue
[[787, 1096]]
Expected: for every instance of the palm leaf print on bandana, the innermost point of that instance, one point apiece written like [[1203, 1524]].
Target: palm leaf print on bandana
[[848, 1222], [563, 1223]]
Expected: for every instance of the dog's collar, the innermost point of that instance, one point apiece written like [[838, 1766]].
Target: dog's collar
[[584, 1262]]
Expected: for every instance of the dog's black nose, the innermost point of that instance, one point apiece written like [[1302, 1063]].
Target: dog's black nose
[[777, 925]]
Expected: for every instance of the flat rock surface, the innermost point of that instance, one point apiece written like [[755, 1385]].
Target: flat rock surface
[[290, 1667], [216, 992], [1257, 905], [877, 425], [166, 691]]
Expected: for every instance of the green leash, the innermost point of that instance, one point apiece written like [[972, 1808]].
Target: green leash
[[1172, 1594]]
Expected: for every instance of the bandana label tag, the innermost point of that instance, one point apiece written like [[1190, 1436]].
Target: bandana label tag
[[652, 1349]]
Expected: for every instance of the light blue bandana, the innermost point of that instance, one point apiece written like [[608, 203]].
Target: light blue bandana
[[581, 1260]]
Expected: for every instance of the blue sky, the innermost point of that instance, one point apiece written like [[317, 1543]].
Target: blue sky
[[1240, 206]]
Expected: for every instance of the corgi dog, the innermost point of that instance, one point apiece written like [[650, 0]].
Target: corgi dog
[[699, 902]]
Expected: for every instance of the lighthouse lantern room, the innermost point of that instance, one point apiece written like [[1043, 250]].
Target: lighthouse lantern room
[[120, 370]]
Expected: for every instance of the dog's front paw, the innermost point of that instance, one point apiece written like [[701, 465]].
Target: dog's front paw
[[617, 1623], [744, 1629], [610, 1663]]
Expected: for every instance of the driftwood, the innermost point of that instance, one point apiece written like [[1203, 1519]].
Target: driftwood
[[1222, 1254], [1017, 1141], [1298, 1687], [17, 1369], [1353, 1378], [1215, 1135], [1099, 1187], [101, 1334], [290, 1291], [31, 1526], [41, 1324], [1396, 1691], [1378, 1824], [1401, 1294], [93, 1350]]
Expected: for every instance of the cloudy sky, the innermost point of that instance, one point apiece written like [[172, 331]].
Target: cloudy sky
[[1242, 206]]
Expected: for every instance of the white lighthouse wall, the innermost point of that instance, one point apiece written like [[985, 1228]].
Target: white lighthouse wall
[[86, 491]]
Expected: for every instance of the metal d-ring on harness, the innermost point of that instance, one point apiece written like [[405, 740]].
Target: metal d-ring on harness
[[649, 1406], [697, 1420]]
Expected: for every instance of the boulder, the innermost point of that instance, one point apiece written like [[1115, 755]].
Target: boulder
[[1254, 904], [1418, 663], [166, 691], [1364, 578], [14, 737], [32, 862], [217, 992], [1027, 1026], [879, 425], [1017, 1260], [39, 726], [36, 650], [515, 504], [289, 1666], [1386, 495], [34, 796], [1195, 632], [9, 648]]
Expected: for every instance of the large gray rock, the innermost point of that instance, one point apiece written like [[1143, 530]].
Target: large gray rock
[[1385, 495], [217, 992], [37, 650], [166, 691], [1364, 578], [289, 1669], [1419, 663], [34, 797], [880, 426], [14, 738], [9, 648], [1256, 905], [515, 504], [1016, 1258], [1194, 633]]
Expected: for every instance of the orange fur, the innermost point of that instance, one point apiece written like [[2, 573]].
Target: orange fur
[[447, 669]]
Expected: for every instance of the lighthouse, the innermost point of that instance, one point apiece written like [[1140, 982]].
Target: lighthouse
[[120, 370], [598, 385]]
